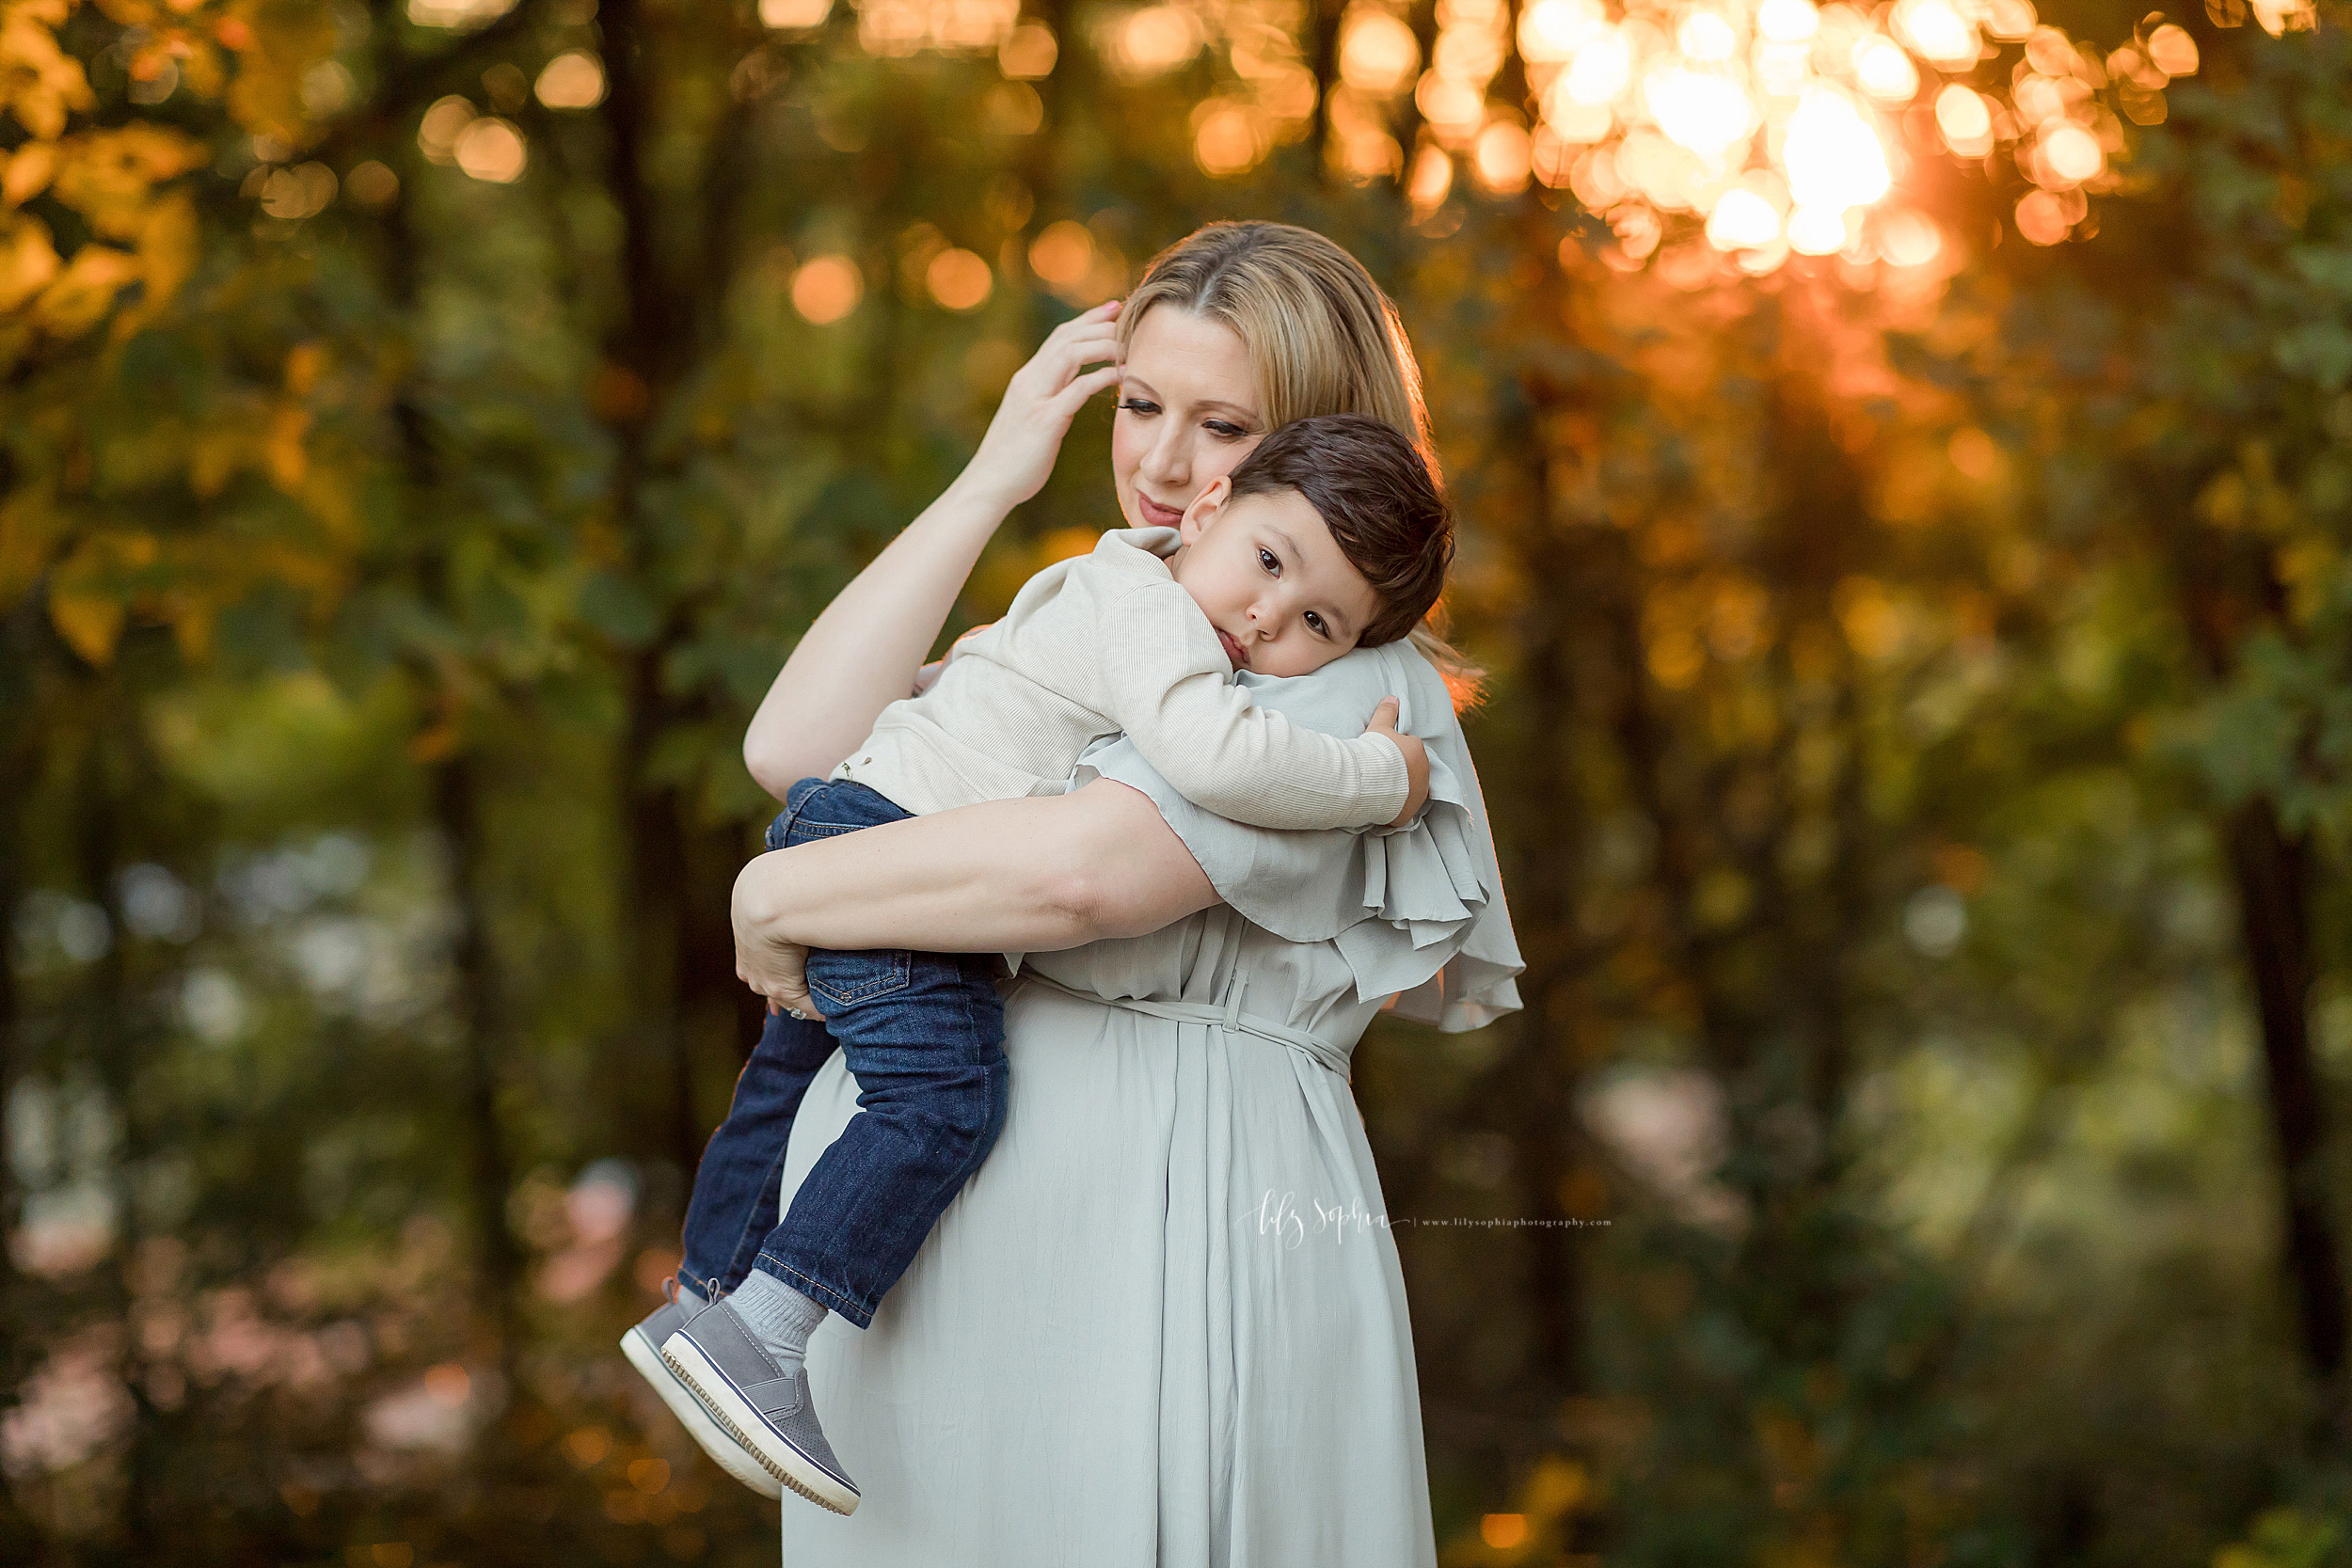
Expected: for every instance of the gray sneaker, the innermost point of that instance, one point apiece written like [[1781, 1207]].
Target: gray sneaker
[[766, 1411], [642, 1346]]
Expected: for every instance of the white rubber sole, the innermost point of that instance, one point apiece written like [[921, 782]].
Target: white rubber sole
[[729, 1455], [735, 1413]]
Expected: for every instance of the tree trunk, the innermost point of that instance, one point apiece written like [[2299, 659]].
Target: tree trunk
[[2225, 590], [456, 809], [2273, 873]]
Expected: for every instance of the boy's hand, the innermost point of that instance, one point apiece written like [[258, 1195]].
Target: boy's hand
[[1416, 759]]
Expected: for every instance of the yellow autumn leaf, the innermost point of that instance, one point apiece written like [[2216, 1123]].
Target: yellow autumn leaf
[[30, 527], [89, 623], [283, 451], [282, 39], [89, 591], [85, 291], [39, 83], [304, 361], [167, 238], [28, 259], [109, 176], [26, 174]]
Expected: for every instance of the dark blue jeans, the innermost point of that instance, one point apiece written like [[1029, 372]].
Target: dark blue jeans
[[924, 1034]]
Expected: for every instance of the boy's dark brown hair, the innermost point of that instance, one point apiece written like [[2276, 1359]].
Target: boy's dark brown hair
[[1377, 497]]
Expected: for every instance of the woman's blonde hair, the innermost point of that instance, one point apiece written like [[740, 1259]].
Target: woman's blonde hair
[[1321, 338]]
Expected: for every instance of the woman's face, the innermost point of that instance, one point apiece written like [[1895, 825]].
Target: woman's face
[[1187, 414]]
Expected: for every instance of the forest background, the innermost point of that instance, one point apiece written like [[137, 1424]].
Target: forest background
[[1919, 734]]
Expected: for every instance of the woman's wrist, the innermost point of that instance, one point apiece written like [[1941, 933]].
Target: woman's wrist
[[977, 503]]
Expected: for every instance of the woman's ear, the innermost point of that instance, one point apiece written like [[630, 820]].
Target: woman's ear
[[1204, 508]]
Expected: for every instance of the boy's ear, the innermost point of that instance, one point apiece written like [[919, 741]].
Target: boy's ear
[[1205, 509]]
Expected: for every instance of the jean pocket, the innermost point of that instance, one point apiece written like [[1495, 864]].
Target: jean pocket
[[843, 979]]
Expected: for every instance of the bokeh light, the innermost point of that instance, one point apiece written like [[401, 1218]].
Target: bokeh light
[[794, 15], [1378, 54], [572, 80], [959, 279], [1226, 137], [443, 122], [827, 287], [1647, 109], [1028, 52], [1062, 254], [492, 150], [1154, 42]]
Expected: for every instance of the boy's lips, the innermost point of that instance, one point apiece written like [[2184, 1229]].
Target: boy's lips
[[1233, 650]]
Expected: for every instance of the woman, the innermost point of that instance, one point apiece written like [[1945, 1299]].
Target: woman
[[1165, 1323]]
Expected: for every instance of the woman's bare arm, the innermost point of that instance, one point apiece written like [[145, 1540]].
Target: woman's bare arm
[[1039, 875], [862, 654]]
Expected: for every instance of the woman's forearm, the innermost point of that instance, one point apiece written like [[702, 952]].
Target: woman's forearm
[[1036, 874], [861, 655]]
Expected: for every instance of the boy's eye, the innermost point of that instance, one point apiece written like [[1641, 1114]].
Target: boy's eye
[[1315, 622], [1267, 559]]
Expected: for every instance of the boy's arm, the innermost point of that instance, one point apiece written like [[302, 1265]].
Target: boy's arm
[[1165, 676]]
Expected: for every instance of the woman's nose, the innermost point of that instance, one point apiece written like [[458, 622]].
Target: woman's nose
[[1165, 461]]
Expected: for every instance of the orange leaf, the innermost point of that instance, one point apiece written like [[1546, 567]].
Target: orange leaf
[[28, 172], [92, 624], [28, 259]]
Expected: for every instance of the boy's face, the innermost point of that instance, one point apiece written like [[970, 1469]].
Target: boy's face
[[1272, 580]]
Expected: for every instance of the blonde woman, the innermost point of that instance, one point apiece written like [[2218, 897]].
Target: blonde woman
[[1165, 1322]]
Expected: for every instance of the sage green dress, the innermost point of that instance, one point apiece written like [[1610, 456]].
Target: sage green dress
[[1165, 1323]]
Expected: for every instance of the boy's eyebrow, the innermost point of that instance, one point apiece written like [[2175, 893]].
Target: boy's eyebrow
[[1337, 621]]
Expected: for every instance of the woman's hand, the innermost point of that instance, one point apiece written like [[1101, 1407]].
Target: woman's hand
[[773, 965], [1416, 759], [1043, 396]]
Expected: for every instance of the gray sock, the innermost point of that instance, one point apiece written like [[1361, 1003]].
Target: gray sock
[[780, 1316], [689, 1297]]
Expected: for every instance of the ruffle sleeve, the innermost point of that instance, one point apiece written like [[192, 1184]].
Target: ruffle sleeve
[[1417, 911]]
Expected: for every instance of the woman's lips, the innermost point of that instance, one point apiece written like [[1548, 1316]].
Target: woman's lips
[[1156, 515], [1232, 649]]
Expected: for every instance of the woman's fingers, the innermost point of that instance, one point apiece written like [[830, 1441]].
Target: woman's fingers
[[1078, 352], [1073, 396], [1383, 716]]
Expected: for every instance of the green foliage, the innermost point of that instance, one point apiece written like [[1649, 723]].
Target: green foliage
[[1890, 669]]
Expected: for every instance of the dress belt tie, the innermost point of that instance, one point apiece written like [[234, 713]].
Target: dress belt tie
[[1229, 1017]]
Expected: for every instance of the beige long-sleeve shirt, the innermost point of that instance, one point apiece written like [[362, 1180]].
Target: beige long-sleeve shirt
[[1107, 642]]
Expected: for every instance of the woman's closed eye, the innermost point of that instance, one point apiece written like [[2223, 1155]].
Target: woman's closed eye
[[1139, 406], [1224, 430]]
